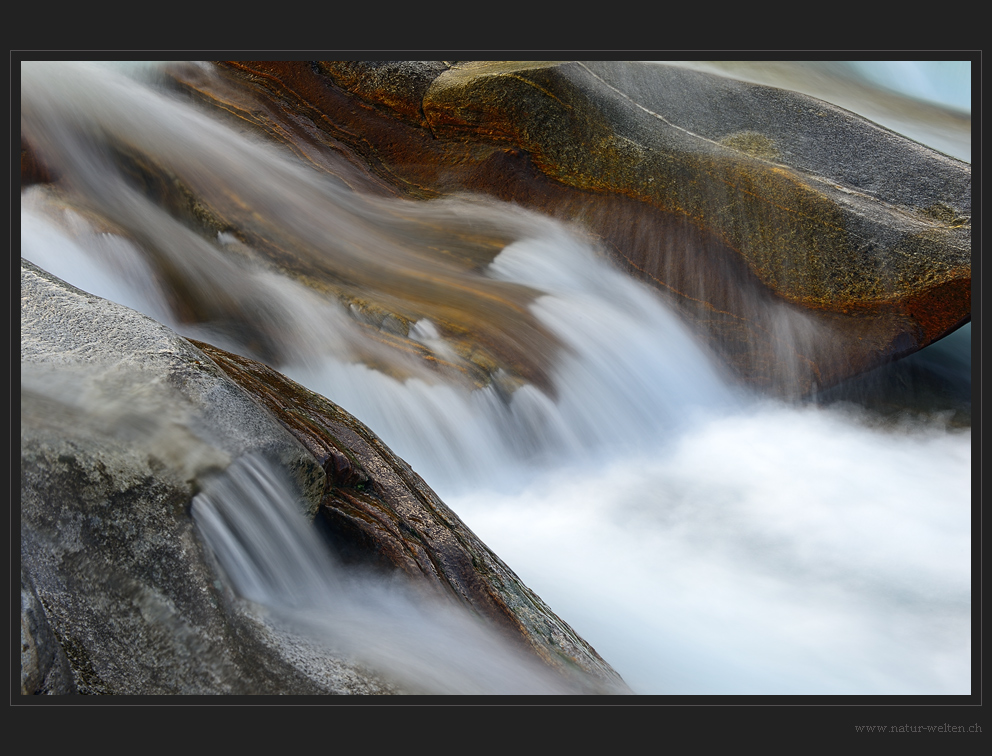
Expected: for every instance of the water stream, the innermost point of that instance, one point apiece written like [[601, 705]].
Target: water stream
[[704, 540]]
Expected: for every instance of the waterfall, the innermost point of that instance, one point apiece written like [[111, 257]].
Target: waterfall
[[702, 539]]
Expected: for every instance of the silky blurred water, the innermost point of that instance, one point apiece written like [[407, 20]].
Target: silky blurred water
[[272, 556], [702, 539]]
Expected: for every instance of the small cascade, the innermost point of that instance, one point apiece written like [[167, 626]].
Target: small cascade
[[702, 539]]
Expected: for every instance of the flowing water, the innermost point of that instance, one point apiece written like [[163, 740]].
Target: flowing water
[[704, 540], [275, 558]]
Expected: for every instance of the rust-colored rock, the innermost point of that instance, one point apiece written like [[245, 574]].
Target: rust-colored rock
[[805, 243]]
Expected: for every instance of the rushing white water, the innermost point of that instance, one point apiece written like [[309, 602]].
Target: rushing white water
[[631, 378], [703, 541], [775, 551]]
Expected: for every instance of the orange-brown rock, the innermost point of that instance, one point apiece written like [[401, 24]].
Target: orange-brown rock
[[805, 243]]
